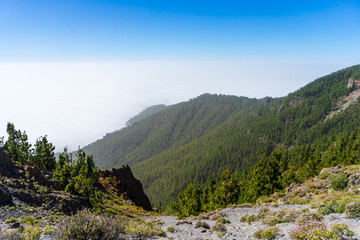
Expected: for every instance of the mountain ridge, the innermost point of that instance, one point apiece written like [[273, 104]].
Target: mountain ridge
[[205, 135]]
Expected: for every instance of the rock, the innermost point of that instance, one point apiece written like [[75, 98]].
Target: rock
[[351, 83], [15, 225], [7, 167], [124, 182], [354, 179], [5, 197]]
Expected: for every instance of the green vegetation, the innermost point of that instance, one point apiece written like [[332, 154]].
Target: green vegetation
[[339, 182], [268, 233], [19, 149], [199, 139], [86, 225]]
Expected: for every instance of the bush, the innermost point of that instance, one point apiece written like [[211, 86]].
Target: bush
[[171, 229], [266, 233], [215, 216], [31, 233], [342, 230], [223, 220], [86, 225], [339, 182], [184, 222], [353, 209], [219, 227], [249, 218], [202, 224], [309, 216], [306, 228], [11, 220], [333, 207]]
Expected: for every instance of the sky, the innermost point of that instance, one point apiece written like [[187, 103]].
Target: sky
[[75, 70]]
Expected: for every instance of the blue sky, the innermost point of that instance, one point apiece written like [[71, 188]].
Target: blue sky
[[75, 70], [117, 30]]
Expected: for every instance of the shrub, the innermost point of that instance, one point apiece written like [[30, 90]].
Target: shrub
[[333, 207], [11, 220], [86, 225], [32, 221], [339, 182], [11, 235], [309, 216], [223, 220], [322, 234], [263, 212], [31, 233], [353, 209], [184, 222], [249, 218], [219, 227], [324, 175], [342, 230], [306, 228], [171, 229], [268, 233], [215, 216], [202, 224]]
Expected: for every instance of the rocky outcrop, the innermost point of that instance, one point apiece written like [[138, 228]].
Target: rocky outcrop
[[7, 167], [4, 197], [351, 83], [121, 181], [29, 186]]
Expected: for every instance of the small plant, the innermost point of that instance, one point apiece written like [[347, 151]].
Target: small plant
[[249, 218], [353, 209], [263, 212], [266, 233], [339, 182], [309, 216], [202, 224], [219, 227], [223, 220], [32, 221], [86, 225], [31, 233], [305, 229], [184, 222], [11, 220], [342, 230], [171, 229], [49, 231], [215, 216], [324, 175]]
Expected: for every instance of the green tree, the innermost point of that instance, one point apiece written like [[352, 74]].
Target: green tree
[[17, 146], [84, 176], [44, 156], [62, 172]]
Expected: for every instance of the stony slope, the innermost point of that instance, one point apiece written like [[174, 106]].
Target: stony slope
[[317, 197]]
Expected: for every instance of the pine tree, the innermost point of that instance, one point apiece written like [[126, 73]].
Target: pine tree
[[44, 156]]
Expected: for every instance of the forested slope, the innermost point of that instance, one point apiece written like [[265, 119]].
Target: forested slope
[[198, 139], [170, 129]]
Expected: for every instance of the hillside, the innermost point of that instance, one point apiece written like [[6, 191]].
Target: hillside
[[146, 113], [35, 205], [198, 139]]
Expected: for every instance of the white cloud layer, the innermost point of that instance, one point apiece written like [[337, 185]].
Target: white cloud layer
[[75, 103]]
